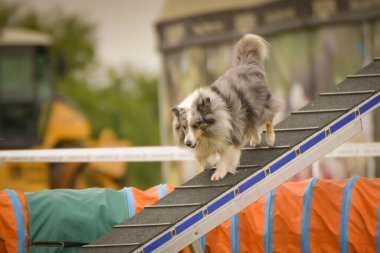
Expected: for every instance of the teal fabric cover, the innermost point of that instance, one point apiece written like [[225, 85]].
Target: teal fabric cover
[[73, 216]]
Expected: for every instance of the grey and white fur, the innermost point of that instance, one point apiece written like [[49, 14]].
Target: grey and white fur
[[216, 121]]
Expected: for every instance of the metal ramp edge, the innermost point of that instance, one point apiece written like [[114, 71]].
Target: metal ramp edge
[[199, 205]]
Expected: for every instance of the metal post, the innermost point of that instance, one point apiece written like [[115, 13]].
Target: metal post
[[197, 247]]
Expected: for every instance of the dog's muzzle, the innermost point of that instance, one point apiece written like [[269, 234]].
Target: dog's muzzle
[[190, 144]]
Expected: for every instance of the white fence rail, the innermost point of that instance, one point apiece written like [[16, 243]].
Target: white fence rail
[[132, 154], [369, 149], [149, 154]]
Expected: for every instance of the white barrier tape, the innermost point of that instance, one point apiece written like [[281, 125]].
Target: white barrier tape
[[149, 154], [133, 154]]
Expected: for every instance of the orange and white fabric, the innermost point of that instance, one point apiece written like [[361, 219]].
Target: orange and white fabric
[[309, 216]]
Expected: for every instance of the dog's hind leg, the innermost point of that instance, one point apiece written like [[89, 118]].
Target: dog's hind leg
[[270, 136], [228, 162], [256, 139]]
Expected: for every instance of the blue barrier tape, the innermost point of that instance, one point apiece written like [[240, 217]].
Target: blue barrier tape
[[305, 222], [130, 201], [268, 226], [345, 211], [21, 233], [378, 230], [202, 240], [162, 190], [234, 233]]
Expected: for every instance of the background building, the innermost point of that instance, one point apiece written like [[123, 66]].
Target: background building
[[314, 45]]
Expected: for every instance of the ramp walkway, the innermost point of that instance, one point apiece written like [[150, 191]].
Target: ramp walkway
[[199, 205]]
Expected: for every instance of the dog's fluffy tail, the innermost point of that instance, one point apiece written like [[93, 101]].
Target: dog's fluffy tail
[[251, 49]]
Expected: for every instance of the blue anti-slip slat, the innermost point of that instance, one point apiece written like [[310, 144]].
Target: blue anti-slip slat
[[220, 202], [283, 161], [312, 142], [369, 104], [341, 123], [251, 182], [157, 243], [189, 222]]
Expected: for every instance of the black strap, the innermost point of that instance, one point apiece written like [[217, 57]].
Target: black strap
[[58, 244]]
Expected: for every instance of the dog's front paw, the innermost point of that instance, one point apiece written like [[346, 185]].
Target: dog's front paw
[[255, 141], [270, 139], [218, 175]]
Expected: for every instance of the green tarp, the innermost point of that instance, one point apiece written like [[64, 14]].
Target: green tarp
[[73, 216]]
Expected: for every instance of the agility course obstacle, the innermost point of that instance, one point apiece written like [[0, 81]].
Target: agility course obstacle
[[199, 205], [313, 215]]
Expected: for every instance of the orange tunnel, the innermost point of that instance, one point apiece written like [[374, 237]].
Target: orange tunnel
[[308, 216]]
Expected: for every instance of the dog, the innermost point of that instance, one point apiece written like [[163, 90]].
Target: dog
[[218, 120]]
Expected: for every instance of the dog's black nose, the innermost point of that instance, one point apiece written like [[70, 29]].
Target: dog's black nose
[[188, 143]]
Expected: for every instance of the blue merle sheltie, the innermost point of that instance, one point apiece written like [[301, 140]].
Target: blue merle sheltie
[[216, 121]]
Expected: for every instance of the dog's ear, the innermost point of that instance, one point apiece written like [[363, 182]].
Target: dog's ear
[[175, 111], [204, 104]]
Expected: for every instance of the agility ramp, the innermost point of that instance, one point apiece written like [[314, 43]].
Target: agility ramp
[[199, 205]]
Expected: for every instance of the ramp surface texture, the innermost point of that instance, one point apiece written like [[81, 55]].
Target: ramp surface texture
[[199, 205]]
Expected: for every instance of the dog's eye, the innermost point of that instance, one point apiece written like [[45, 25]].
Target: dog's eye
[[209, 121], [196, 125]]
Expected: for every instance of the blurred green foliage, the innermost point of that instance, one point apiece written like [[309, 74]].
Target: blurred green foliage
[[129, 106], [126, 100]]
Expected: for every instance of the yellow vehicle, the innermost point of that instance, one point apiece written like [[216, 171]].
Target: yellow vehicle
[[33, 116]]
